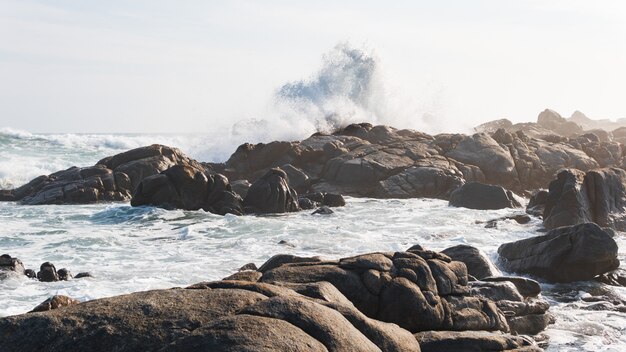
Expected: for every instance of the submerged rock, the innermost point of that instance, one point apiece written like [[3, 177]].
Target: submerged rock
[[565, 254], [476, 195], [47, 273]]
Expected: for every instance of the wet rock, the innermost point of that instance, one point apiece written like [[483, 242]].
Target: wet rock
[[537, 203], [240, 187], [64, 274], [55, 302], [598, 196], [307, 204], [30, 273], [614, 278], [477, 262], [333, 200], [519, 218], [323, 210], [271, 194], [189, 188], [565, 254], [112, 179], [82, 275], [476, 195], [47, 273], [8, 263]]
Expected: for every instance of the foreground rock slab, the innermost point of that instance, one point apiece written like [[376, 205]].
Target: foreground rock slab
[[565, 254]]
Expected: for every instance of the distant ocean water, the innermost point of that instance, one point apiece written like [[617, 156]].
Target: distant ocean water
[[131, 249]]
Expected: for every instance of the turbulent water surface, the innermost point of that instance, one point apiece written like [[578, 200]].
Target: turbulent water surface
[[129, 249]]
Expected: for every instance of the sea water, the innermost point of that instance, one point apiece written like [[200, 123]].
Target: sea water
[[130, 249]]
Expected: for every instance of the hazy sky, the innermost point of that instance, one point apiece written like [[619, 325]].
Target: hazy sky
[[189, 66]]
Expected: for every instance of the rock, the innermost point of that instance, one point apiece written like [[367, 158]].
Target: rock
[[249, 266], [241, 187], [223, 315], [462, 341], [613, 278], [7, 263], [30, 273], [114, 178], [598, 196], [519, 218], [281, 259], [333, 200], [565, 254], [323, 210], [64, 274], [477, 262], [307, 204], [420, 182], [297, 178], [55, 302], [82, 275], [537, 203], [271, 194], [189, 188], [47, 273], [476, 195], [526, 287], [551, 120]]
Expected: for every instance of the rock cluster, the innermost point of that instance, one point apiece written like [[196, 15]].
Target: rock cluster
[[111, 179], [47, 271], [403, 301]]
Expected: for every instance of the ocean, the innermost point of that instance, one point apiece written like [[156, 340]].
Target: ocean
[[130, 249]]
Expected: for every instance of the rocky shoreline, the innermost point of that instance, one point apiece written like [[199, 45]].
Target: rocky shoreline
[[454, 300]]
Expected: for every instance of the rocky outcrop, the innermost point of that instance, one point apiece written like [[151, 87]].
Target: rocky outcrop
[[598, 196], [475, 195], [186, 187], [370, 302], [47, 271], [565, 254], [111, 179], [271, 194], [218, 316], [419, 290], [359, 160]]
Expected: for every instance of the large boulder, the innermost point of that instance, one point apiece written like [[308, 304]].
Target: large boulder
[[476, 195], [186, 187], [271, 194], [565, 254], [598, 196]]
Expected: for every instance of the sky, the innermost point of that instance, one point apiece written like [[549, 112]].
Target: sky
[[194, 66]]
